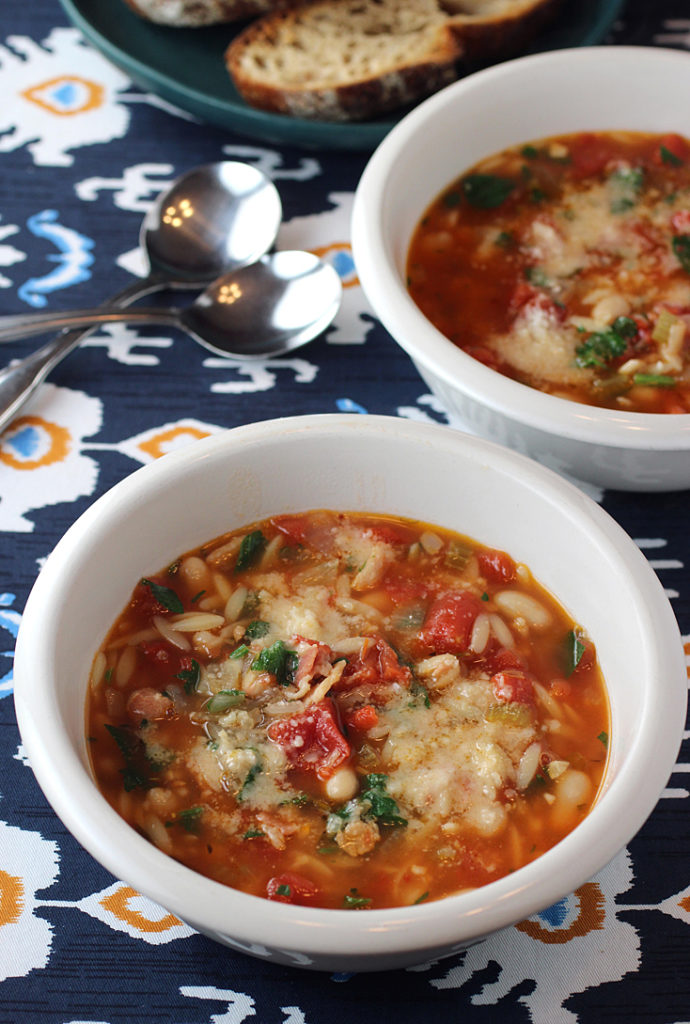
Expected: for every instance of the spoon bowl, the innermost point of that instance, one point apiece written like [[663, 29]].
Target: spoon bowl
[[265, 309], [215, 218]]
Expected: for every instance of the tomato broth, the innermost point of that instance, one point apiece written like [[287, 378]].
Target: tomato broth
[[348, 711], [565, 264]]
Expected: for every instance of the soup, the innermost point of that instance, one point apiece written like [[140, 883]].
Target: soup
[[565, 264], [348, 711]]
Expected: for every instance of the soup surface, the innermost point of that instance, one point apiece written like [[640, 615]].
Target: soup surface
[[348, 711], [565, 264]]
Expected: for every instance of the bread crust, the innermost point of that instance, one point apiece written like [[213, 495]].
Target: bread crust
[[319, 60]]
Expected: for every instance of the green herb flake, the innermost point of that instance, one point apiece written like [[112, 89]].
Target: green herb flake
[[197, 597], [668, 157], [419, 691], [190, 819], [529, 152], [681, 248], [603, 346], [108, 675], [251, 549], [240, 651], [248, 780], [283, 890], [451, 199], [380, 805], [485, 596], [504, 240], [353, 901], [279, 660], [573, 649], [537, 194], [625, 186], [165, 596], [223, 701], [486, 191], [257, 629], [604, 737], [420, 899], [253, 833], [190, 677], [536, 277], [137, 771]]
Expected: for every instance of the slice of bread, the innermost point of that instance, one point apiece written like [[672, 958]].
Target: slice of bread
[[344, 60], [351, 60], [197, 13]]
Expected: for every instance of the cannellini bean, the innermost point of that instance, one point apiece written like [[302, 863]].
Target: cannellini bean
[[195, 573], [342, 785], [158, 833], [479, 637], [524, 606], [573, 787], [431, 542], [609, 307]]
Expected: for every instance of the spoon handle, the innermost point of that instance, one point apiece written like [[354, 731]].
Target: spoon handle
[[24, 325], [19, 380]]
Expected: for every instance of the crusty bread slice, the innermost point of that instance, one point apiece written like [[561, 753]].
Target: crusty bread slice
[[350, 60], [345, 60], [197, 13]]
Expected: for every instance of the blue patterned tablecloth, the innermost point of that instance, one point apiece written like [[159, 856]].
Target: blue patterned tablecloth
[[83, 152]]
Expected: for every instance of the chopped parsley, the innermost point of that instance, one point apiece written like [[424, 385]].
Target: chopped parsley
[[256, 629], [190, 677], [681, 248], [452, 199], [253, 833], [240, 651], [380, 805], [486, 191], [165, 596], [573, 649], [655, 380], [668, 157], [604, 737], [352, 900], [138, 768], [279, 660], [249, 779], [251, 548], [283, 890], [420, 692], [190, 819], [603, 346], [625, 185]]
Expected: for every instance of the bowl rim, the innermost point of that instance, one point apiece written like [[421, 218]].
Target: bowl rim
[[424, 343], [259, 925]]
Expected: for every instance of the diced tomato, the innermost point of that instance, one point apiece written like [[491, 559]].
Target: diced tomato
[[505, 658], [522, 294], [590, 156], [561, 688], [496, 566], [390, 533], [403, 590], [144, 602], [377, 665], [314, 658], [512, 687], [311, 739], [363, 718], [164, 656], [448, 624], [293, 527], [291, 888], [674, 144]]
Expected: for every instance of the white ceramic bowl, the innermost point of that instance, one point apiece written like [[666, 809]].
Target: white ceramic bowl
[[378, 464], [597, 89]]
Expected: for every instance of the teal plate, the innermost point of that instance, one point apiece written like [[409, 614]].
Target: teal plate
[[200, 86]]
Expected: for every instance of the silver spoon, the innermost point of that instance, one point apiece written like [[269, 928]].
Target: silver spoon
[[268, 308], [213, 219]]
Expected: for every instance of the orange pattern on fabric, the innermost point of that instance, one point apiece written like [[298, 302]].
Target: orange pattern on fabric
[[93, 92], [118, 905], [155, 446], [590, 918], [59, 436], [11, 898]]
